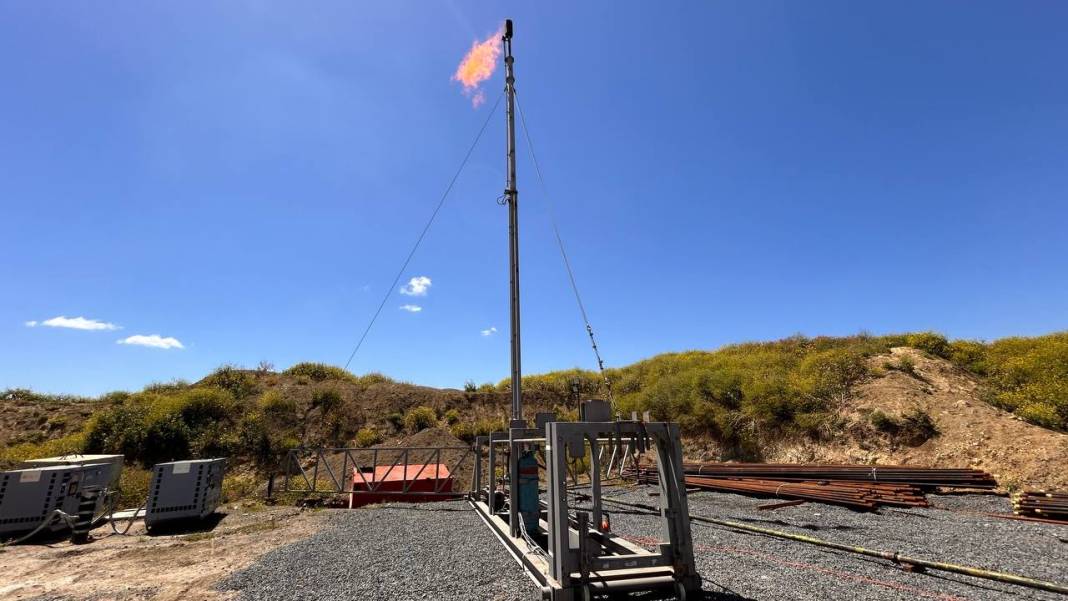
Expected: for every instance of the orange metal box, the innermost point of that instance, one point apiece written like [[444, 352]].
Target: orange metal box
[[410, 480]]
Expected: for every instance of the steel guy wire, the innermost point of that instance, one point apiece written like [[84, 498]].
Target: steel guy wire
[[422, 234]]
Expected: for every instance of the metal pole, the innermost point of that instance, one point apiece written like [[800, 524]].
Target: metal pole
[[512, 198]]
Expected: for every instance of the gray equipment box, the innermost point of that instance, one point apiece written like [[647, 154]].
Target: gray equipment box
[[115, 461], [28, 496], [184, 489], [595, 411]]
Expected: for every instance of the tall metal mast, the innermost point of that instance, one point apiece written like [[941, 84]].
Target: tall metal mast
[[511, 197]]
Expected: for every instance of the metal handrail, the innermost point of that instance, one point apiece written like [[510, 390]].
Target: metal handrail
[[403, 455]]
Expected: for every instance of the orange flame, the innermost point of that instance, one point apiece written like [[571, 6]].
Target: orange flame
[[477, 66]]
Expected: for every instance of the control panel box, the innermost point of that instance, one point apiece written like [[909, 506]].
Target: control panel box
[[184, 489], [28, 496]]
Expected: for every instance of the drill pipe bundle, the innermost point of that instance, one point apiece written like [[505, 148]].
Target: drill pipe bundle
[[1041, 504], [855, 495], [922, 477]]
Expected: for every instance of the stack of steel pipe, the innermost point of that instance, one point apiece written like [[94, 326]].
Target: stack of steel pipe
[[1041, 504], [855, 495], [921, 477]]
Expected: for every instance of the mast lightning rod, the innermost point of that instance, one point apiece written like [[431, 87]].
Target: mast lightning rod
[[511, 197]]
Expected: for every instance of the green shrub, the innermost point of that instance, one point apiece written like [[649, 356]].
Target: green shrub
[[1042, 414], [166, 439], [420, 418], [372, 378], [238, 382], [25, 396], [969, 354], [913, 428], [467, 431], [152, 427], [254, 440], [236, 487], [396, 419], [277, 406], [367, 437], [930, 342], [451, 416], [326, 400], [1030, 376], [133, 487], [917, 427], [14, 454], [166, 387], [906, 365], [812, 423], [882, 422], [829, 373], [320, 372], [120, 429]]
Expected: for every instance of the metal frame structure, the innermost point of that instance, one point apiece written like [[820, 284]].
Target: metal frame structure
[[567, 555], [575, 555], [296, 473]]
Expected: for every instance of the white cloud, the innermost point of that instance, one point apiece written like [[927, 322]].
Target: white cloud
[[411, 308], [416, 286], [153, 340], [74, 323], [489, 331]]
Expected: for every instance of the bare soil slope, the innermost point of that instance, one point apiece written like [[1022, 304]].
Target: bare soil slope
[[971, 432], [36, 420]]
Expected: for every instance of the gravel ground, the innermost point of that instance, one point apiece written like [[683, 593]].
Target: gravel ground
[[402, 552], [753, 566], [443, 551]]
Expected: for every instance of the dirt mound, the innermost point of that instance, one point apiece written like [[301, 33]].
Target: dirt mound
[[920, 410], [36, 419], [431, 437]]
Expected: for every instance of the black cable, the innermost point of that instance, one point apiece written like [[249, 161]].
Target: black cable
[[563, 251], [48, 520], [389, 291], [130, 523]]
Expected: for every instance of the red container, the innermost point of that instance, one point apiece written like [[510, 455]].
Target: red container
[[411, 480]]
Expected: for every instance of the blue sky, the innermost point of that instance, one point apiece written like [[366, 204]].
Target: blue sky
[[245, 178]]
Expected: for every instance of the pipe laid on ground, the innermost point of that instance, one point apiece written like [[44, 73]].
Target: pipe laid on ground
[[887, 555]]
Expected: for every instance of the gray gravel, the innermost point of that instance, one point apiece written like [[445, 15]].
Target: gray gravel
[[752, 566], [403, 552], [443, 551]]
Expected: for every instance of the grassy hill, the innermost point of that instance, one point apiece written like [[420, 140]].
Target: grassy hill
[[743, 399]]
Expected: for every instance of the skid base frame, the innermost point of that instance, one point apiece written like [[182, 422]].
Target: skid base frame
[[581, 559]]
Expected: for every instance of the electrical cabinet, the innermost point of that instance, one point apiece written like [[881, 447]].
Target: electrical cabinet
[[28, 496], [184, 489]]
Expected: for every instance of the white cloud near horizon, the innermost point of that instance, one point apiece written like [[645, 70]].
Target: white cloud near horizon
[[490, 331], [73, 323], [417, 286], [411, 308], [152, 341]]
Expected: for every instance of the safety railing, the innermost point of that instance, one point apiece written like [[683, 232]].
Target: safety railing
[[362, 471]]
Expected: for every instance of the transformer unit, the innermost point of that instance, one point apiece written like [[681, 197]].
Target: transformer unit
[[29, 496], [115, 461], [184, 489]]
